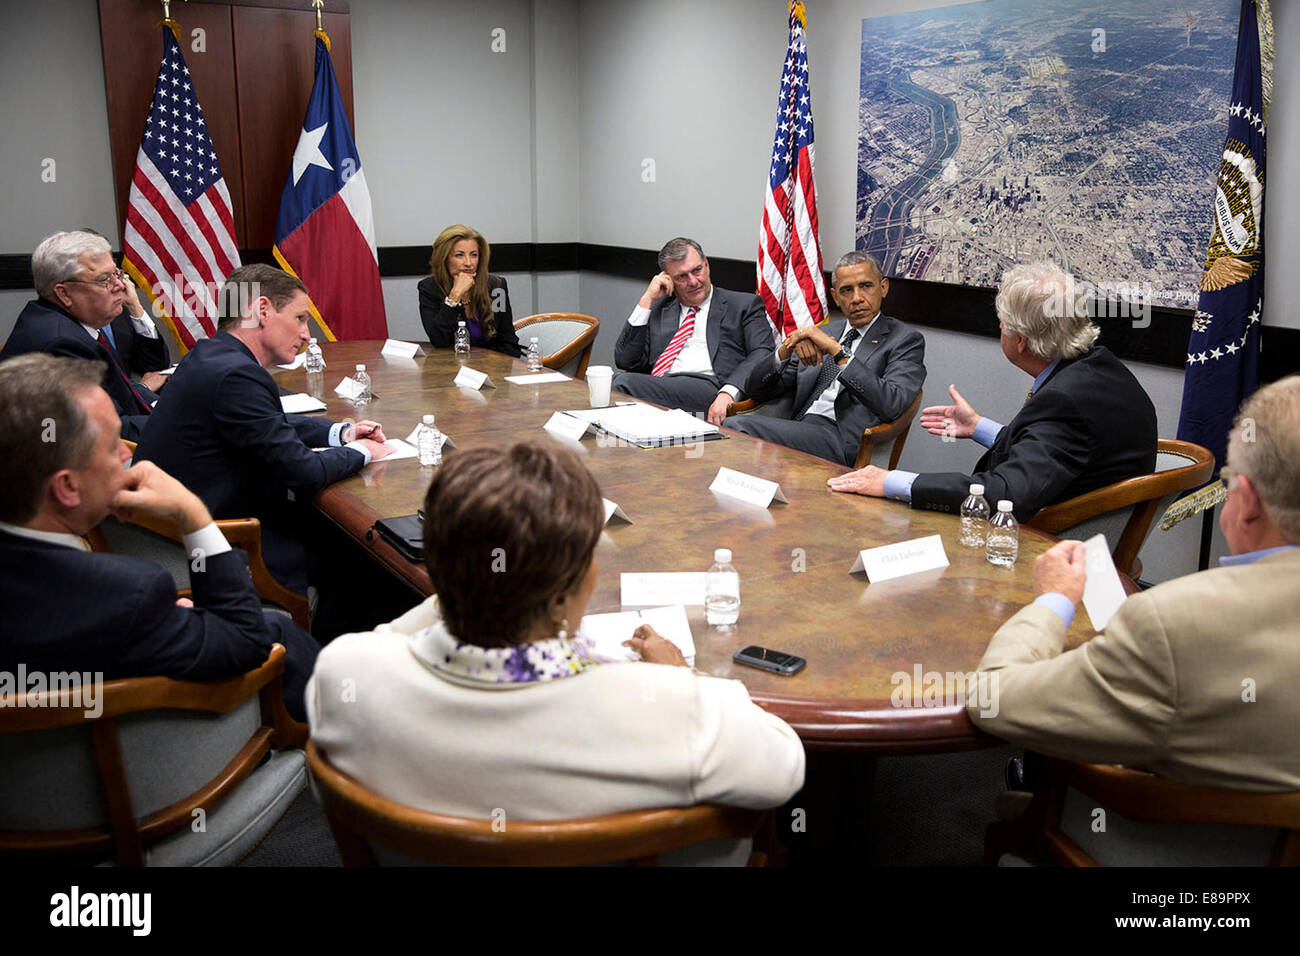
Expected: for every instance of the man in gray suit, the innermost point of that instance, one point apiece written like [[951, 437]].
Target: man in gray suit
[[844, 376], [688, 344], [1195, 678]]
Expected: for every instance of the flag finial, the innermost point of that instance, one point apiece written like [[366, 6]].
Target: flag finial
[[319, 5], [167, 20]]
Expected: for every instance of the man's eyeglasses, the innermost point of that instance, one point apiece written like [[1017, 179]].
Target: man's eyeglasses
[[104, 282]]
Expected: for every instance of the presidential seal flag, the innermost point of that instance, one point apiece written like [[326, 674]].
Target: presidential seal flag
[[178, 243], [790, 280], [325, 234], [1223, 350]]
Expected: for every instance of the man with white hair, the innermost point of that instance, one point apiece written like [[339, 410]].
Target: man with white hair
[[1195, 678], [88, 308], [1086, 422]]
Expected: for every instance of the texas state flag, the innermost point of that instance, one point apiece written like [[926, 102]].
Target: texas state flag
[[326, 231]]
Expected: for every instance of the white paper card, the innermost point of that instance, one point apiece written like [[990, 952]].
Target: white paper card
[[755, 491], [299, 403], [905, 557], [593, 415], [413, 439], [469, 378], [566, 426], [297, 361], [640, 589], [400, 450], [538, 378], [168, 371], [1103, 592], [399, 349], [612, 510], [607, 632], [348, 388]]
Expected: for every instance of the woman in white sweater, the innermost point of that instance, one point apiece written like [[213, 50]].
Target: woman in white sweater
[[480, 700]]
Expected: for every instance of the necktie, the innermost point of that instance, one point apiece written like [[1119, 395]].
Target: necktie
[[675, 346], [827, 375], [114, 361]]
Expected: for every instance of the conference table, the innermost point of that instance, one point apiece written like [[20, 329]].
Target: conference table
[[873, 649]]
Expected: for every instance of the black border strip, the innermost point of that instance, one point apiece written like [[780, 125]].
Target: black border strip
[[930, 304]]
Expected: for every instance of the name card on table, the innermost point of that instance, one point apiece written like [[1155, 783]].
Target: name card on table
[[612, 510], [300, 403], [747, 488], [1103, 592], [414, 438], [903, 558], [469, 378], [399, 349], [566, 426], [537, 378], [658, 588], [297, 362], [349, 388]]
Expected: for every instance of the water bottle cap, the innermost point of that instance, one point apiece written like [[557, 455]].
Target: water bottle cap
[[428, 419], [361, 368], [722, 556], [1004, 505], [311, 341], [533, 340], [977, 489], [461, 323]]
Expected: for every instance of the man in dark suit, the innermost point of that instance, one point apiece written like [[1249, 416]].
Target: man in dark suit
[[1086, 423], [689, 344], [223, 432], [88, 308], [844, 377], [61, 473]]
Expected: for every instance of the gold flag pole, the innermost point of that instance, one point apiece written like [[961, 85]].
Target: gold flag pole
[[320, 30], [167, 20]]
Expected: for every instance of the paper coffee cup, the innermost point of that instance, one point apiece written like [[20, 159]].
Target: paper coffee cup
[[598, 381]]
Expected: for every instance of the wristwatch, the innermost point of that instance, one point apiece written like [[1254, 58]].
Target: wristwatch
[[841, 355], [450, 302]]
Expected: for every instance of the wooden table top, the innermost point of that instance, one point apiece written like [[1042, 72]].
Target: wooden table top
[[797, 594]]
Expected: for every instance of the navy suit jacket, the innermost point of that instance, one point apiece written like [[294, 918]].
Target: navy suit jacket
[[223, 433], [1090, 424], [128, 624], [877, 385], [43, 326], [738, 335]]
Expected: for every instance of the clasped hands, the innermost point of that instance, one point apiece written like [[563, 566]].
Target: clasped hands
[[371, 436], [810, 344]]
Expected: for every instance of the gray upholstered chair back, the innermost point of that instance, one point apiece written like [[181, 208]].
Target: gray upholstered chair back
[[553, 335]]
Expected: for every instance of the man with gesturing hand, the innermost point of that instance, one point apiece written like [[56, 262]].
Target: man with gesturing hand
[[689, 344], [69, 609], [1086, 421]]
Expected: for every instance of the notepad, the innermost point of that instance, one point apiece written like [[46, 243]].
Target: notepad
[[300, 403], [607, 632], [650, 427]]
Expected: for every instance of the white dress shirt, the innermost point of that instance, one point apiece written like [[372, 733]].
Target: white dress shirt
[[694, 356]]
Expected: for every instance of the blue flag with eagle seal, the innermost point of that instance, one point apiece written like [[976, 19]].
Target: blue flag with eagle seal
[[1223, 350]]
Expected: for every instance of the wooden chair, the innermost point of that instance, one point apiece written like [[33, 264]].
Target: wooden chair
[[361, 820], [874, 439], [159, 540], [565, 339], [1148, 820], [1124, 511], [169, 773]]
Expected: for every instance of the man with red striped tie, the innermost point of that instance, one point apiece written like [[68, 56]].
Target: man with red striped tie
[[689, 344], [87, 308]]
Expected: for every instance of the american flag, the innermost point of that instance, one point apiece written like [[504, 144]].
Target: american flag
[[789, 257], [179, 239]]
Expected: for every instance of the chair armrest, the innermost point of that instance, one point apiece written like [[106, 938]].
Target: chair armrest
[[743, 406]]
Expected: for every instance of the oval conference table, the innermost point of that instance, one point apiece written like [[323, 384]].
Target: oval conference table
[[866, 644]]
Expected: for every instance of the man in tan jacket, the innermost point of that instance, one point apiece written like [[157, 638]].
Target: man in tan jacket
[[1194, 679]]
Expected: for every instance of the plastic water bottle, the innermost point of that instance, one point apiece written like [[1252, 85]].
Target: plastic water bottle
[[315, 361], [428, 442], [1004, 537], [974, 518], [462, 338], [722, 591], [534, 356], [362, 379]]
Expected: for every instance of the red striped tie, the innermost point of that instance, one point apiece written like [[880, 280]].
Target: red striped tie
[[117, 367], [675, 346]]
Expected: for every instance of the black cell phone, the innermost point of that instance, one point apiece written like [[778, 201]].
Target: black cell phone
[[778, 662]]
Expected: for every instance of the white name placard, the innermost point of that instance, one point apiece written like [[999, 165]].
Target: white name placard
[[399, 349], [905, 557], [755, 491], [349, 388], [537, 378], [612, 510], [1103, 591], [659, 588], [469, 378], [566, 426]]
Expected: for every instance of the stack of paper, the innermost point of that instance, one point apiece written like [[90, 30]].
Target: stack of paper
[[646, 425], [606, 632]]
